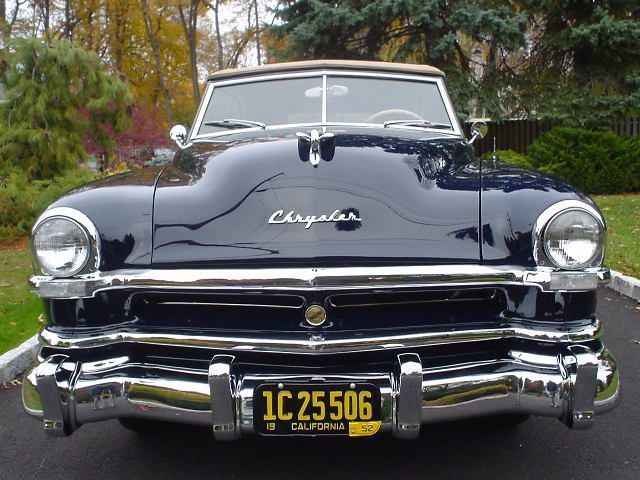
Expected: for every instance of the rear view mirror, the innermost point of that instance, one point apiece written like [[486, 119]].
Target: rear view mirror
[[178, 134], [478, 130], [332, 91]]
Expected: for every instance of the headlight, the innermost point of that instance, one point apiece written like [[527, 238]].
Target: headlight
[[572, 237], [64, 242]]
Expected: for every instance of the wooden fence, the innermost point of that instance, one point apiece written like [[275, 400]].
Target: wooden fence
[[517, 135]]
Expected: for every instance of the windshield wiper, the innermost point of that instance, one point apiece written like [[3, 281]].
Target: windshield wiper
[[234, 123], [416, 123]]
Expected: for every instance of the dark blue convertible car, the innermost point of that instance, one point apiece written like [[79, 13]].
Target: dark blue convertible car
[[325, 255]]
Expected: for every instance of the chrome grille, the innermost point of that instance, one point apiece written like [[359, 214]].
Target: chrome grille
[[345, 311]]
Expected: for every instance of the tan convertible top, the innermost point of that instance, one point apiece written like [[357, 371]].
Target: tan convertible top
[[273, 68]]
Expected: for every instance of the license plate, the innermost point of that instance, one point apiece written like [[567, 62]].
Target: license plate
[[317, 409]]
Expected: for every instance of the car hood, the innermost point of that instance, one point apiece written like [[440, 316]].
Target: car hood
[[377, 198]]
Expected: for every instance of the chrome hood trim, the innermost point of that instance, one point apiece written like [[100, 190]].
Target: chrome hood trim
[[344, 278]]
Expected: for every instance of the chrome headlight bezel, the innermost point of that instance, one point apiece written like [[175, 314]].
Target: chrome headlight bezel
[[540, 253], [78, 218]]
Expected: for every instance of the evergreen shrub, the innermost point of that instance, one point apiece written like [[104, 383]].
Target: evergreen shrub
[[22, 200], [598, 162], [509, 156]]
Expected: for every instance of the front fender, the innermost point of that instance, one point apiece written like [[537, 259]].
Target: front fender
[[512, 199], [121, 208]]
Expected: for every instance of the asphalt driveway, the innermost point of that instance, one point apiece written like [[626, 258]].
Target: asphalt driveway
[[540, 449]]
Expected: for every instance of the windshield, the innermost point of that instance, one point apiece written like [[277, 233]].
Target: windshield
[[273, 102], [376, 100], [349, 99]]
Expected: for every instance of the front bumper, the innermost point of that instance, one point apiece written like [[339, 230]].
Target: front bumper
[[572, 382], [319, 279]]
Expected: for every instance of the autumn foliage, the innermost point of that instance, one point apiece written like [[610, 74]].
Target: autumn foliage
[[147, 128]]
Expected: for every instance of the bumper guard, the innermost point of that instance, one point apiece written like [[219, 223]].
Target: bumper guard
[[572, 386]]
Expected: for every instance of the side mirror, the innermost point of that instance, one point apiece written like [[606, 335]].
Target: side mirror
[[478, 130], [178, 134]]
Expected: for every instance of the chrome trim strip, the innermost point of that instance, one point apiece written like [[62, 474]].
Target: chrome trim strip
[[324, 98], [318, 279], [447, 300], [229, 304], [201, 111], [448, 103], [218, 136], [324, 343]]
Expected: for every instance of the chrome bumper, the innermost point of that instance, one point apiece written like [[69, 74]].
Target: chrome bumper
[[353, 278], [572, 386], [320, 343]]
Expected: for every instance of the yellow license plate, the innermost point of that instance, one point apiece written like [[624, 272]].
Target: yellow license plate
[[317, 409]]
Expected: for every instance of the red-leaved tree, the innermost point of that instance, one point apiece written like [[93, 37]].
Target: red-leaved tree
[[136, 144]]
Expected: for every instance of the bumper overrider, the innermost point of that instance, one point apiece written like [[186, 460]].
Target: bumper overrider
[[564, 373]]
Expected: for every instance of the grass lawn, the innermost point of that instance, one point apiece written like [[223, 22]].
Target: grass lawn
[[622, 213], [20, 309]]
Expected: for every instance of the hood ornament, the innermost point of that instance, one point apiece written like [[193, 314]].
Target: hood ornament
[[311, 146]]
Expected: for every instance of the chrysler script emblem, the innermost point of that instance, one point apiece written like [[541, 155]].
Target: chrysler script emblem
[[292, 217]]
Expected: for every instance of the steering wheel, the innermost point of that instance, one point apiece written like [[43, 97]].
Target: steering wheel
[[393, 113]]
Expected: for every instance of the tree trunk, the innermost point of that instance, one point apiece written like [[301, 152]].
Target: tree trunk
[[190, 27], [121, 39], [153, 40], [45, 10], [258, 46], [4, 30], [6, 24], [216, 16], [193, 55], [66, 32]]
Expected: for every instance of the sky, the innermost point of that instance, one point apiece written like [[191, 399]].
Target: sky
[[231, 14]]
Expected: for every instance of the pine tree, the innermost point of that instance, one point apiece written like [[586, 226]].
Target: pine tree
[[584, 64], [57, 94], [437, 32]]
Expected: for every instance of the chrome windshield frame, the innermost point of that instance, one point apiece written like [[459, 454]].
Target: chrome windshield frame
[[194, 135]]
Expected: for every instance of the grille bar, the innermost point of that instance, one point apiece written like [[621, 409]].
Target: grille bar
[[411, 298]]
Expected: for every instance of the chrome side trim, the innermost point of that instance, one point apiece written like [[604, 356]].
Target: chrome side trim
[[326, 343], [344, 278]]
